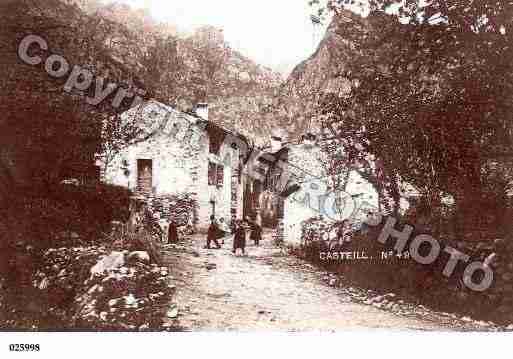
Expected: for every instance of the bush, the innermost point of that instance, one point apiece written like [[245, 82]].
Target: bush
[[64, 212]]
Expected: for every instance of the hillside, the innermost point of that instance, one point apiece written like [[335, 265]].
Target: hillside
[[205, 69], [326, 72]]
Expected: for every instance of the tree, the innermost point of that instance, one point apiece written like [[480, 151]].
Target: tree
[[430, 99]]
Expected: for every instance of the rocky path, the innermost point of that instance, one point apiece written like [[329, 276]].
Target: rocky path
[[270, 290]]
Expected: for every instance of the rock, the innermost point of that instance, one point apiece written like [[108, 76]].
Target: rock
[[507, 277], [103, 316], [500, 242], [378, 299], [108, 263], [93, 289], [141, 256], [44, 283], [333, 282], [210, 266], [491, 260], [462, 295], [130, 299], [504, 309], [172, 312]]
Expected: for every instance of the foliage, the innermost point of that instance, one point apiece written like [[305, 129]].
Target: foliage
[[430, 98]]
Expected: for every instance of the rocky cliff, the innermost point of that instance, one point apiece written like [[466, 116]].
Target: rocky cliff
[[327, 70]]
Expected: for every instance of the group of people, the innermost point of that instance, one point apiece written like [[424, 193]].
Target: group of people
[[219, 230], [240, 228]]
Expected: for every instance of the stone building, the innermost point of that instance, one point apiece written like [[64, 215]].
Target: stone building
[[180, 154], [296, 188]]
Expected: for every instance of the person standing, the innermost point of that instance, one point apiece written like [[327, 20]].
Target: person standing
[[212, 234], [256, 233], [239, 239], [172, 232]]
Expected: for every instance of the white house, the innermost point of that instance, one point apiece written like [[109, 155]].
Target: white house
[[180, 153]]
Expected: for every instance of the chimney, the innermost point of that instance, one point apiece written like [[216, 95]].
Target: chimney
[[277, 140], [202, 110], [276, 144]]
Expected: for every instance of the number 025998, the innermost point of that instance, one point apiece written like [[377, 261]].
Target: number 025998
[[24, 347]]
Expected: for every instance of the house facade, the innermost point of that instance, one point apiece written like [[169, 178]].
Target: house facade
[[291, 196], [180, 154]]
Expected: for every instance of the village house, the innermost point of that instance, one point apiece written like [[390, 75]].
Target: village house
[[296, 188], [181, 158]]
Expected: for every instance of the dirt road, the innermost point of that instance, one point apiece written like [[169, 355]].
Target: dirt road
[[270, 290]]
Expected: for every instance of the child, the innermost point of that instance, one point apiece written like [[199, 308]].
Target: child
[[256, 233], [239, 239]]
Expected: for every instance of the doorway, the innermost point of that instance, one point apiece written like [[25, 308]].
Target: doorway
[[145, 176]]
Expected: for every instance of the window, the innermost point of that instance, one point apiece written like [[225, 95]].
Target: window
[[215, 174], [211, 174], [216, 137], [145, 175]]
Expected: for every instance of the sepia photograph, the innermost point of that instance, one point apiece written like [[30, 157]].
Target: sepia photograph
[[205, 169]]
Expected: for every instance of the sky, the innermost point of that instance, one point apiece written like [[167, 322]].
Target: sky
[[274, 33]]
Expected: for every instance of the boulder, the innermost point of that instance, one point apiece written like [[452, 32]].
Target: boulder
[[140, 256], [108, 263]]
